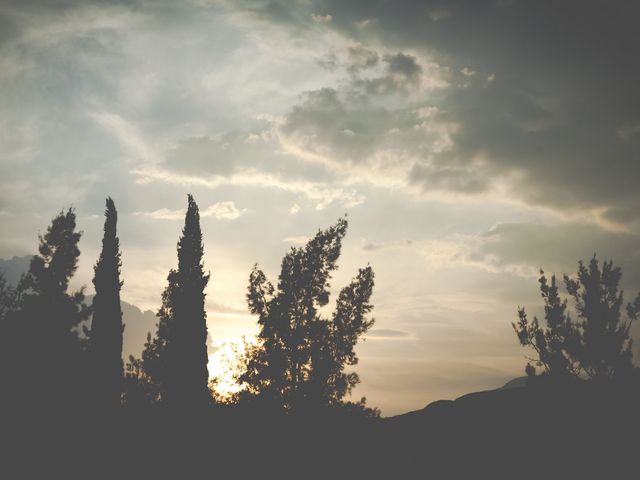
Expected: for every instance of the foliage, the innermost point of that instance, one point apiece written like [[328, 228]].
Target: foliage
[[106, 326], [176, 358], [8, 298], [139, 389], [44, 325], [596, 344], [300, 359]]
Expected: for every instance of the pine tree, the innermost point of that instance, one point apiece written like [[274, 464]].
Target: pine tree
[[300, 356], [606, 345], [50, 318], [333, 343], [595, 346], [176, 359], [106, 327]]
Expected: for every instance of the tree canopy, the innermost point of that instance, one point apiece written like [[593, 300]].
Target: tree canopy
[[596, 344], [300, 358], [44, 329]]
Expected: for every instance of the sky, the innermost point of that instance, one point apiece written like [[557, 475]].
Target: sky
[[470, 144]]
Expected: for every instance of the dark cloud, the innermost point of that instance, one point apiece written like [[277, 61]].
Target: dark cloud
[[326, 123], [554, 99], [558, 248], [448, 178], [361, 58], [377, 121], [405, 65], [402, 72], [293, 14]]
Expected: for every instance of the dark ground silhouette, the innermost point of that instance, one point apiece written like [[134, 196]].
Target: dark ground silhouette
[[577, 431]]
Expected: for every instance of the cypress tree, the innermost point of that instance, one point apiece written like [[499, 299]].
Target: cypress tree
[[176, 359], [106, 327], [190, 354]]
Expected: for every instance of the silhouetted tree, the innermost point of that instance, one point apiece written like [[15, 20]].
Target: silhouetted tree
[[597, 345], [176, 359], [556, 343], [332, 343], [49, 319], [8, 299], [10, 340], [140, 388], [606, 347], [106, 326], [300, 357]]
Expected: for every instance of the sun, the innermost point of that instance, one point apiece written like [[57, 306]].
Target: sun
[[223, 365]]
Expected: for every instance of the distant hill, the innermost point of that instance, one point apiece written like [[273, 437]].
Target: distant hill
[[137, 322], [13, 268], [558, 432], [516, 383]]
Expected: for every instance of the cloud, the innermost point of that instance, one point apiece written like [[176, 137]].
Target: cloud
[[558, 248], [388, 334], [527, 122], [467, 72], [321, 18], [44, 25], [295, 208], [296, 240], [456, 179], [128, 135], [374, 247], [322, 194], [361, 58], [440, 14], [221, 211], [409, 143], [522, 249]]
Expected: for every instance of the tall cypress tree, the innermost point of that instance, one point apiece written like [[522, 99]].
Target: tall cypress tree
[[177, 358], [106, 326], [190, 312]]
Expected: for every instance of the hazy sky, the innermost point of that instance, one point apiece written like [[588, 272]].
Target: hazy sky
[[469, 142]]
